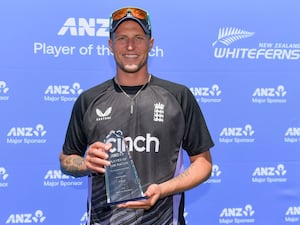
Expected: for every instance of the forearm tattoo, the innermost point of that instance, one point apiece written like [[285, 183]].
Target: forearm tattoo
[[75, 166]]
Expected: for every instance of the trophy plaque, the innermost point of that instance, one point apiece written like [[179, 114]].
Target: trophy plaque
[[121, 179]]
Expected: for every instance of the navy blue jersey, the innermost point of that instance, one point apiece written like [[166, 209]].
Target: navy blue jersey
[[163, 119]]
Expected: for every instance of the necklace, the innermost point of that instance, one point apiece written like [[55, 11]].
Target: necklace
[[134, 97]]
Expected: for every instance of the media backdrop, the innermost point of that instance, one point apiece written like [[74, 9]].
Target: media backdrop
[[241, 59]]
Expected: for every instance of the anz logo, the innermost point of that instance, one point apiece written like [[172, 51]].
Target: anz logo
[[64, 89], [270, 171], [214, 90], [3, 87], [238, 131], [270, 92], [56, 174], [293, 211], [37, 217], [293, 131], [238, 212], [93, 27], [37, 131]]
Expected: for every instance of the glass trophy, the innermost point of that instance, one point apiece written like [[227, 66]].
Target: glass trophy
[[121, 179]]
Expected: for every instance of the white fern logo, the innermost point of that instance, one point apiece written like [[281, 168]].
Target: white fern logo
[[106, 113], [228, 35]]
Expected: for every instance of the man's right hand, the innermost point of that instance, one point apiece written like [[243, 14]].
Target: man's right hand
[[96, 157]]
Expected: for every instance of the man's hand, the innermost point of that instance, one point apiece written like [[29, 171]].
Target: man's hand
[[96, 157], [152, 194]]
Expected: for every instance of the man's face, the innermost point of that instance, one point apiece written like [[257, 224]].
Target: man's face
[[130, 46]]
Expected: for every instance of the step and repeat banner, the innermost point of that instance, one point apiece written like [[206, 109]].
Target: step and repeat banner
[[241, 60]]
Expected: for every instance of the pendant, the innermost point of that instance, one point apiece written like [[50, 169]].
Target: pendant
[[131, 108]]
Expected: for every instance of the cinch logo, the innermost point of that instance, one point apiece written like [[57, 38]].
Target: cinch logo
[[215, 175], [3, 177], [266, 51], [237, 215], [63, 93], [292, 214], [207, 94], [26, 218], [26, 135], [269, 95], [103, 115], [55, 178], [93, 27], [292, 135], [3, 91], [139, 143], [269, 174], [237, 134]]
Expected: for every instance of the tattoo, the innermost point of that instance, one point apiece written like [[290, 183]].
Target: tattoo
[[74, 166], [79, 162]]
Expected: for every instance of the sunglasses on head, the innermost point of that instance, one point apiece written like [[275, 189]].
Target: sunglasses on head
[[140, 15], [135, 12]]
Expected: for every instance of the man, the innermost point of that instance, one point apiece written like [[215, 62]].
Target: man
[[159, 116]]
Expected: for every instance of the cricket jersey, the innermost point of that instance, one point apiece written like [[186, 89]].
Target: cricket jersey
[[158, 122]]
